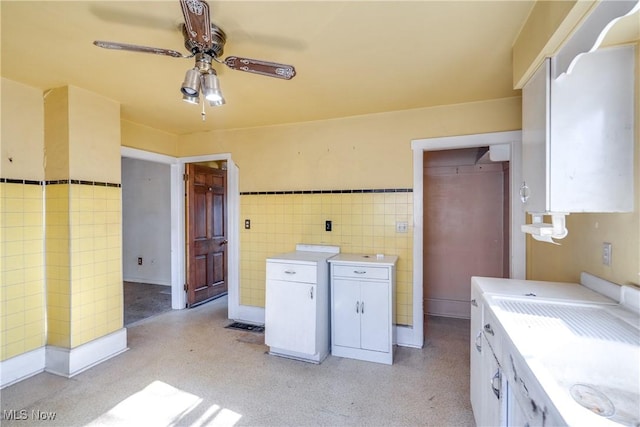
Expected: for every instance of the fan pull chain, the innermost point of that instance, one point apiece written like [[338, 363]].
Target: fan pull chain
[[203, 114]]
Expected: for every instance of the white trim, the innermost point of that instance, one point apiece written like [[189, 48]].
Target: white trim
[[178, 243], [21, 367], [419, 146], [134, 153], [178, 296], [69, 362], [249, 314], [177, 257], [146, 281], [405, 337]]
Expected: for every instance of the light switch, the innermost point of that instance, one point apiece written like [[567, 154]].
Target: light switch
[[606, 253]]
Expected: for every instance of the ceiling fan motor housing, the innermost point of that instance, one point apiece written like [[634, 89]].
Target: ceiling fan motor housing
[[218, 39]]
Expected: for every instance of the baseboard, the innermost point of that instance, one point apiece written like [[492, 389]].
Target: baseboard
[[69, 362], [406, 337], [449, 308], [21, 367], [250, 314], [146, 281]]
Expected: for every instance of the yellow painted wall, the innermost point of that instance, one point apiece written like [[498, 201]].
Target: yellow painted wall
[[22, 131], [581, 250], [145, 138], [353, 153], [22, 290], [546, 28], [56, 144], [94, 131], [371, 151]]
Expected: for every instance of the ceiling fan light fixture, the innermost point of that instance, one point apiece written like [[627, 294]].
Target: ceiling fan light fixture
[[211, 89], [191, 99], [191, 85]]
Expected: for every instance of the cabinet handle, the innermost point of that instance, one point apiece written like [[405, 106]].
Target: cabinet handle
[[289, 272], [359, 272], [311, 292], [362, 307], [474, 302], [357, 307], [488, 329], [479, 342], [496, 377], [524, 192]]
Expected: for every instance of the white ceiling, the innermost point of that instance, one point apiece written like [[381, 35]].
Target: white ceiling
[[351, 58]]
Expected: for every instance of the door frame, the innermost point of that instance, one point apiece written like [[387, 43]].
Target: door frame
[[233, 230], [517, 262], [178, 240]]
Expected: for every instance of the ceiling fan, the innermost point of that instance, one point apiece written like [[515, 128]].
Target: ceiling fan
[[205, 41]]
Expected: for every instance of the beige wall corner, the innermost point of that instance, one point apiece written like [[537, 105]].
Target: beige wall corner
[[145, 138]]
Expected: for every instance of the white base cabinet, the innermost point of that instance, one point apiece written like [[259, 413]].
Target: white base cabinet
[[297, 304], [362, 307]]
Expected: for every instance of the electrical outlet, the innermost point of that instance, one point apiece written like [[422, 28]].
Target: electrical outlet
[[606, 253], [247, 224], [402, 227], [327, 225], [139, 260]]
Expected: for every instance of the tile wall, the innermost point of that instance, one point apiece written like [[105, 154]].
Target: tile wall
[[22, 299], [96, 264], [78, 227], [363, 221], [58, 271]]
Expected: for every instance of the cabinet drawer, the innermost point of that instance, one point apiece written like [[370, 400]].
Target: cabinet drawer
[[361, 272], [291, 272]]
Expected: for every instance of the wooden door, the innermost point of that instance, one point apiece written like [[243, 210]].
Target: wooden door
[[206, 233]]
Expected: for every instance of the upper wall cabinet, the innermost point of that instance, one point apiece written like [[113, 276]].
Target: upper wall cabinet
[[578, 135]]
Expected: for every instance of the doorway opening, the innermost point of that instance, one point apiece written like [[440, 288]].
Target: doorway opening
[[146, 238], [510, 144], [466, 226]]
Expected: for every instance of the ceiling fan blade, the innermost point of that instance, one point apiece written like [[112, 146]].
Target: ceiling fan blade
[[138, 48], [197, 22], [271, 69]]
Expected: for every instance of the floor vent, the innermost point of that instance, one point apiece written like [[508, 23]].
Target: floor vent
[[246, 327]]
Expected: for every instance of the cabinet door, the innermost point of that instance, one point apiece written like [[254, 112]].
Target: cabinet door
[[592, 127], [492, 384], [346, 316], [290, 316], [535, 140], [374, 313]]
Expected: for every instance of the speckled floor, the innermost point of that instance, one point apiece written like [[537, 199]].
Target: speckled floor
[[142, 300], [185, 368]]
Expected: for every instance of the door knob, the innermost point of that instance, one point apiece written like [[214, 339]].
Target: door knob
[[224, 242]]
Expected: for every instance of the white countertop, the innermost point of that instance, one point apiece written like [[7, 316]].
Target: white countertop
[[364, 259], [297, 257], [570, 335], [533, 289]]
